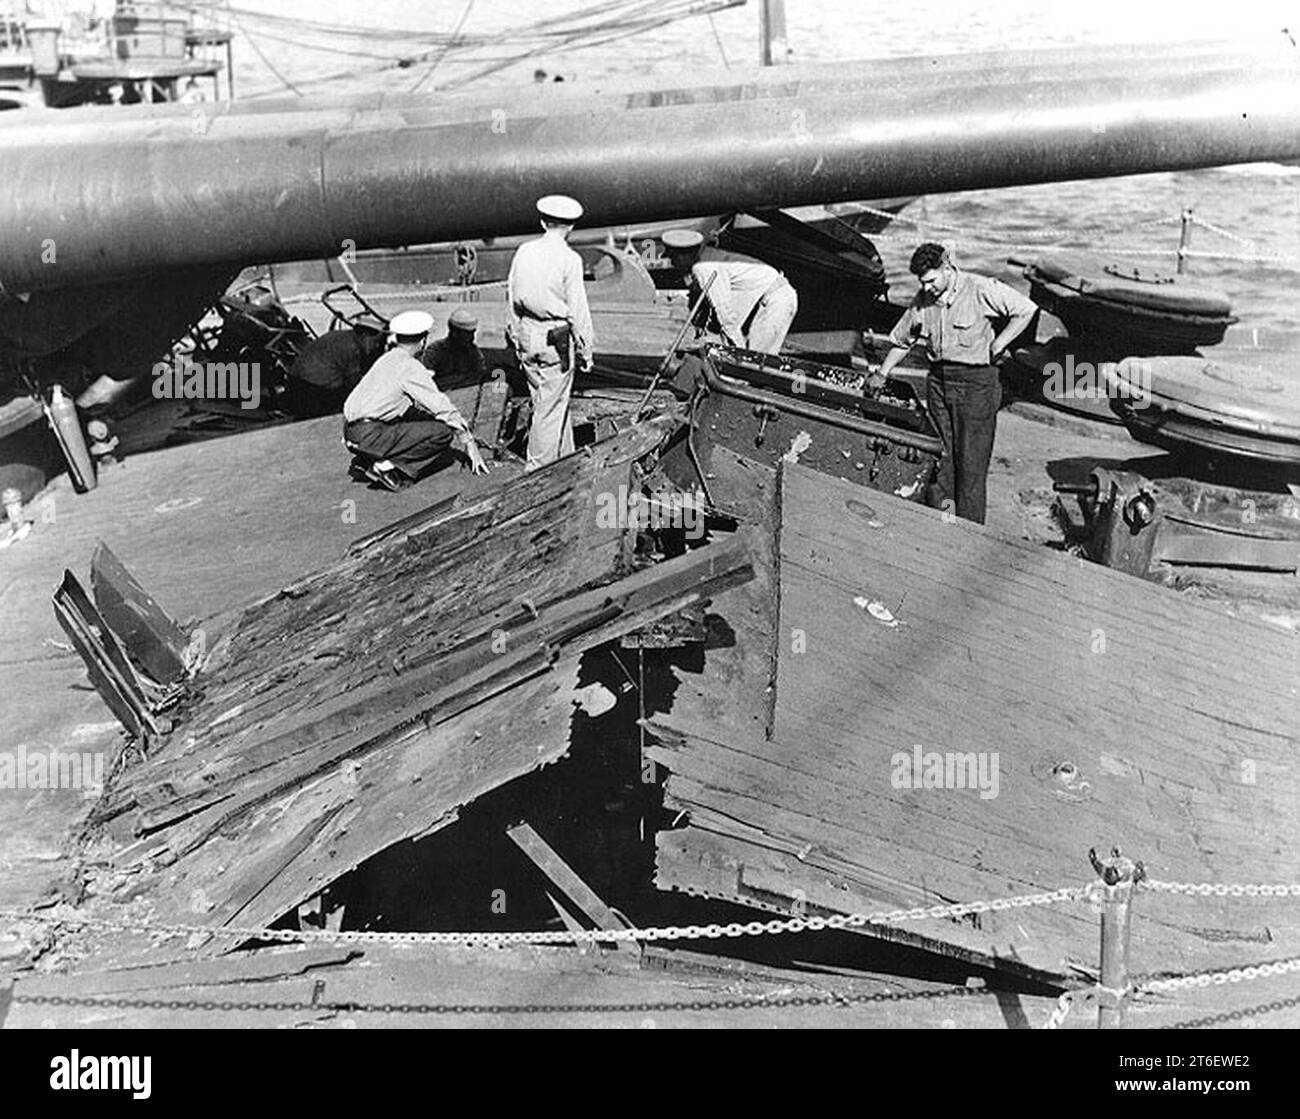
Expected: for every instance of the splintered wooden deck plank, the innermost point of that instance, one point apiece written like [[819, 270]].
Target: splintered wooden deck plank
[[294, 655], [257, 806], [273, 858], [1182, 725], [367, 703]]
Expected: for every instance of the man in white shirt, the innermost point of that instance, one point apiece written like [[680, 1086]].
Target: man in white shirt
[[551, 326], [753, 302], [397, 421]]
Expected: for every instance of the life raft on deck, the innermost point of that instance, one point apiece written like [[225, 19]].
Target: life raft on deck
[[1249, 409], [1129, 311], [1064, 375]]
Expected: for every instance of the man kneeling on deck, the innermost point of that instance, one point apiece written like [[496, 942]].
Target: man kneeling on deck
[[397, 422]]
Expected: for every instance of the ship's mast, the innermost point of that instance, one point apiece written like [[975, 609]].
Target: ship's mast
[[773, 48]]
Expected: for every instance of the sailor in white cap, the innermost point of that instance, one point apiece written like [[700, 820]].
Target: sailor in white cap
[[456, 358], [397, 422], [551, 326], [753, 302]]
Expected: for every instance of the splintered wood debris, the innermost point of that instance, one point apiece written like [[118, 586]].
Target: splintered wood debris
[[1085, 709], [367, 703]]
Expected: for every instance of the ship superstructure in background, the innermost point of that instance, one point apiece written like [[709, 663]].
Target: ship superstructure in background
[[139, 52], [120, 227]]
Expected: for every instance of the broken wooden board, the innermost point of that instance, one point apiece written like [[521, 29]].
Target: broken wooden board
[[155, 642], [564, 878], [1198, 548], [1120, 713], [106, 662], [365, 704]]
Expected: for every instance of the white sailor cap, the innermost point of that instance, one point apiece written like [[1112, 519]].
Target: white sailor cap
[[411, 324], [462, 319], [559, 207], [680, 239]]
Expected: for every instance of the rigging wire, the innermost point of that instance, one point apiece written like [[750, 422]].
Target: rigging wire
[[324, 48], [718, 39], [552, 26], [469, 7], [549, 35], [266, 61], [628, 29]]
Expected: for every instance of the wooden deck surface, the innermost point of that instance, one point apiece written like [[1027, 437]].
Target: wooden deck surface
[[419, 986], [1120, 713], [422, 986], [346, 712]]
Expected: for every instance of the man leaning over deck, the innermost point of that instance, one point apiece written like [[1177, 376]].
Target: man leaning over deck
[[753, 302], [953, 315], [397, 422]]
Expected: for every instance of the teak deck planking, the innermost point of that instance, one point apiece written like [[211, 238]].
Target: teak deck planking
[[347, 712], [1182, 724]]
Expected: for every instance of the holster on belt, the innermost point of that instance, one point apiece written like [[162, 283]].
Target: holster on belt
[[561, 338]]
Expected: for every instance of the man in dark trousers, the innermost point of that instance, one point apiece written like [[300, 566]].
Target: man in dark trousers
[[329, 367], [456, 359], [397, 422], [953, 315]]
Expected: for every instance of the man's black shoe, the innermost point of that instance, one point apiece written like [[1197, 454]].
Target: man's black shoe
[[389, 477]]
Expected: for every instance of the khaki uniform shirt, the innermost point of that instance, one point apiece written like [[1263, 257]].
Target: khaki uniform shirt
[[958, 325], [739, 283], [396, 383], [545, 283]]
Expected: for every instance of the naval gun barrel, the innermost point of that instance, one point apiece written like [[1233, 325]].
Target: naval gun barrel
[[120, 193]]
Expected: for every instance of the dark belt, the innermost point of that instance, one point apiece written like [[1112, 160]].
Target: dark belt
[[410, 413], [940, 366]]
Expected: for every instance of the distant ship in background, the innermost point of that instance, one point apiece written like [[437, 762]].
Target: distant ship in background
[[61, 55]]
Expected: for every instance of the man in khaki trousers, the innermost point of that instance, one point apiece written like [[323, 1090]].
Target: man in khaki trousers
[[551, 331]]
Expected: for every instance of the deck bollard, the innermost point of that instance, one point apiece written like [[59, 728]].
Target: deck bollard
[[1119, 875]]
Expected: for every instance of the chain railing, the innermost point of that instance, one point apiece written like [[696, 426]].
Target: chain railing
[[1110, 999], [1220, 890], [733, 930]]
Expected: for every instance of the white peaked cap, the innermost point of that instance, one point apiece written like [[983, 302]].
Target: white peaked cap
[[559, 207], [411, 324]]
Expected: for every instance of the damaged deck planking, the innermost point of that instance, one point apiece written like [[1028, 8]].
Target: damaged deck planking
[[348, 712], [999, 649]]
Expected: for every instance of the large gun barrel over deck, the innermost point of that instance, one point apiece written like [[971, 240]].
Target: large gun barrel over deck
[[92, 196]]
